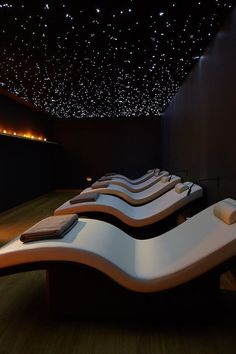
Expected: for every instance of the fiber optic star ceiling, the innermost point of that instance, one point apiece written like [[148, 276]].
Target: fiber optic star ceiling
[[103, 58]]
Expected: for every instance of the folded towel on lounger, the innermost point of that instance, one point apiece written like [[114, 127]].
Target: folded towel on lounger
[[105, 179], [50, 228], [97, 185], [85, 197]]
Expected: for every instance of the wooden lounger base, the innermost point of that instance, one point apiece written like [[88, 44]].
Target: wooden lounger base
[[77, 291]]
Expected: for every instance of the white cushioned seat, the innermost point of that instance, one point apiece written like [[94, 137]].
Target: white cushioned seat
[[141, 179], [180, 255], [141, 186], [135, 216], [137, 198]]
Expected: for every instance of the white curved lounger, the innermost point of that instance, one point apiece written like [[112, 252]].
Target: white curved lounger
[[141, 179], [135, 216], [138, 187], [176, 257], [137, 198]]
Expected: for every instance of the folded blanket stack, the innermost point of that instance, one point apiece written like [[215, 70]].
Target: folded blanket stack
[[53, 227], [97, 185], [85, 197]]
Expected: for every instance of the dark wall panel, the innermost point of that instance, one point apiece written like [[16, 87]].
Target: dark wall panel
[[27, 167], [26, 170], [94, 147], [16, 116], [198, 128]]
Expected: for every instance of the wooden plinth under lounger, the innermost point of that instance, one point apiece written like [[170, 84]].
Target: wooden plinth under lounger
[[78, 291], [96, 265]]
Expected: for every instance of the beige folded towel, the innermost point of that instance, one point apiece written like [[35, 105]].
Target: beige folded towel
[[105, 179], [85, 197], [181, 187], [52, 227], [97, 185], [225, 211]]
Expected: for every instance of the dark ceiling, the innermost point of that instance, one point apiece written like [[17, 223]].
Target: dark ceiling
[[103, 58]]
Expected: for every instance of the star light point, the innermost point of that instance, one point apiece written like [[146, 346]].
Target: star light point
[[83, 61]]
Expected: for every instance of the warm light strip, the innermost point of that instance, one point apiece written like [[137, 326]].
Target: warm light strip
[[20, 135]]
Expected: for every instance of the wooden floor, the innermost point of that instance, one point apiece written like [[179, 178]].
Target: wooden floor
[[18, 219], [26, 325]]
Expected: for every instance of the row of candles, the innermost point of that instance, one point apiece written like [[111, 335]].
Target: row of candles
[[24, 135]]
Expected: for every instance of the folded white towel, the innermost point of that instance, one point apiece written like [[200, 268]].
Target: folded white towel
[[226, 211]]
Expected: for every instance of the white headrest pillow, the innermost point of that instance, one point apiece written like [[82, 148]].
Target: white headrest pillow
[[226, 211], [181, 187], [165, 179]]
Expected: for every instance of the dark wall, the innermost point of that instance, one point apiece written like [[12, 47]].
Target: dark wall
[[22, 119], [88, 148], [93, 147], [199, 126], [26, 170], [26, 166]]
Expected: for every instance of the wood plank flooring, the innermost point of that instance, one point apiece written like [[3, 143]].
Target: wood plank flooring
[[26, 325], [18, 219]]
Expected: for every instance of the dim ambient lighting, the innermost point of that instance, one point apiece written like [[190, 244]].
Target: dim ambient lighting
[[22, 135]]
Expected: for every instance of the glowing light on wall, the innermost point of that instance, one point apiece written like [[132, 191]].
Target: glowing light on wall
[[28, 135]]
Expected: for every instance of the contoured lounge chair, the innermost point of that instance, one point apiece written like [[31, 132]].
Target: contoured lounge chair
[[96, 269], [117, 211], [138, 198], [146, 176], [130, 186]]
